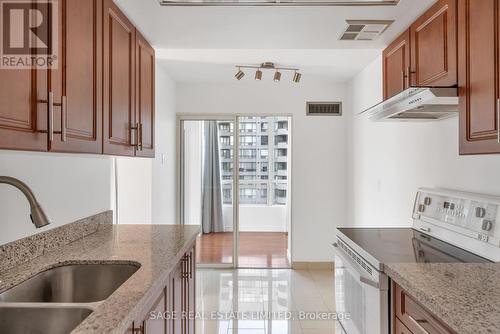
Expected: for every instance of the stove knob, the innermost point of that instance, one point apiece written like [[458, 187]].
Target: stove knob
[[487, 225], [480, 212], [427, 201], [421, 208]]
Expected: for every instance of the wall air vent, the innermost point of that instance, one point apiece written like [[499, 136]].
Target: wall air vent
[[251, 3], [364, 30], [324, 108]]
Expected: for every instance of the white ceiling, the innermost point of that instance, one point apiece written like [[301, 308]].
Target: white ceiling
[[204, 43]]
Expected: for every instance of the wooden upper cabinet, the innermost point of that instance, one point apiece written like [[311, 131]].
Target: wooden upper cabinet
[[145, 96], [426, 54], [478, 59], [119, 121], [434, 46], [23, 112], [21, 116], [396, 65], [77, 83]]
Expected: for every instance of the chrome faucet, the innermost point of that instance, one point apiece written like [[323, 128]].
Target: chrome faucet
[[38, 216]]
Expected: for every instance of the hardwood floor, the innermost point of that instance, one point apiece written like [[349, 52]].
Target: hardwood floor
[[257, 249]]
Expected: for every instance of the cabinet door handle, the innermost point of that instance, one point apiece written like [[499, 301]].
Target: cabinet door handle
[[134, 135], [50, 127], [139, 140], [191, 264], [64, 116], [498, 120], [409, 72], [139, 330]]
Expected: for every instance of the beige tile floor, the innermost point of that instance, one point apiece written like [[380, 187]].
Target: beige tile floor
[[250, 291]]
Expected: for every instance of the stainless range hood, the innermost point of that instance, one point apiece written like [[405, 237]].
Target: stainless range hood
[[252, 3], [416, 104]]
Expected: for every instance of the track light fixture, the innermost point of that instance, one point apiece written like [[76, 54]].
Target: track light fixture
[[296, 77], [240, 74], [277, 76], [268, 66], [258, 74]]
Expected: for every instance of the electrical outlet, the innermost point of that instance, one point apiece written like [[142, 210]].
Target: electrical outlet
[[482, 237]]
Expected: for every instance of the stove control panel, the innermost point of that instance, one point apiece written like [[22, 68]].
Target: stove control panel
[[473, 215]]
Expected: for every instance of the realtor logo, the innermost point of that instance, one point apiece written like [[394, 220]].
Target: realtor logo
[[29, 34]]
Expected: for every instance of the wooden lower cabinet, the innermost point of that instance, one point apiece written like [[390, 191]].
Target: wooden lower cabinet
[[176, 302], [410, 317]]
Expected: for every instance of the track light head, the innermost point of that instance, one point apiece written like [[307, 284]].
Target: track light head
[[240, 74], [296, 77], [258, 74], [277, 76]]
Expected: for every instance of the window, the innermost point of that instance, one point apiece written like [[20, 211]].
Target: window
[[281, 152], [227, 153], [280, 139], [263, 167], [226, 140], [225, 127], [248, 154], [279, 196], [248, 140], [281, 125], [227, 195], [263, 160], [246, 167], [280, 166], [248, 127], [227, 167]]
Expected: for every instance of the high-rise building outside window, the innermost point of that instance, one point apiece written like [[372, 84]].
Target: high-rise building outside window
[[263, 177]]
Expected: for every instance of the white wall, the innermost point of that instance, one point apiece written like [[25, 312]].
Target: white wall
[[389, 161], [146, 187], [68, 187], [319, 159], [164, 186], [135, 190]]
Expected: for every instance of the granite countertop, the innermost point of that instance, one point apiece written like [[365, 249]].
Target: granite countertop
[[466, 297], [157, 248]]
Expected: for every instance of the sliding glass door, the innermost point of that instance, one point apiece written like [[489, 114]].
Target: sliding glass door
[[206, 187], [235, 183], [263, 184]]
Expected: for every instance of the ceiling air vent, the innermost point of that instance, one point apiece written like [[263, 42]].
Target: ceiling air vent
[[364, 30], [324, 108]]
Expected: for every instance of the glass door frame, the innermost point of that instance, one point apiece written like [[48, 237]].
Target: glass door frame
[[235, 118], [180, 119]]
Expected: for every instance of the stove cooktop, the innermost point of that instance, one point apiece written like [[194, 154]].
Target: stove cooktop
[[405, 245]]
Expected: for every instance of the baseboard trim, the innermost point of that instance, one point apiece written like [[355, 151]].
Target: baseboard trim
[[312, 265]]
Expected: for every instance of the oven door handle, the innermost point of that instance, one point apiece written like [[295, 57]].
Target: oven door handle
[[362, 279]]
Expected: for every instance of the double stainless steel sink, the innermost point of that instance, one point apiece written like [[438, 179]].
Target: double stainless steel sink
[[57, 300]]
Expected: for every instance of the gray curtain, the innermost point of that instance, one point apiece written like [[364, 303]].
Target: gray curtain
[[211, 212]]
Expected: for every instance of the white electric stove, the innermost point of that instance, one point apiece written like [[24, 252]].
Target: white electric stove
[[448, 226]]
